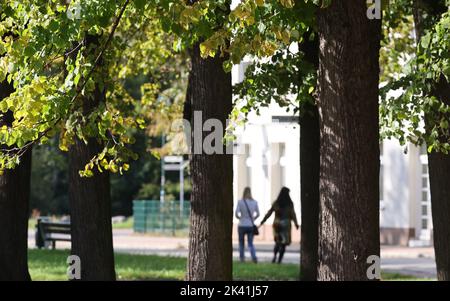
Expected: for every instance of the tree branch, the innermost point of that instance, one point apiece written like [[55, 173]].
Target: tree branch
[[29, 144]]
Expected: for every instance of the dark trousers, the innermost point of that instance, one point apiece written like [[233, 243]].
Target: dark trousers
[[249, 232]]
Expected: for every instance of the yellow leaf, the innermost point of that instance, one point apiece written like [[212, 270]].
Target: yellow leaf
[[259, 2], [287, 3], [39, 87]]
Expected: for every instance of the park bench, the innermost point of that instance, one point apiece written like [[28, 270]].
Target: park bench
[[48, 231]]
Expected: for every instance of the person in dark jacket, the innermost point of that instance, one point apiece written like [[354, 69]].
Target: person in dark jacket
[[284, 215]]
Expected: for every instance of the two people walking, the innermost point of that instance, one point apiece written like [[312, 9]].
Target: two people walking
[[247, 212]]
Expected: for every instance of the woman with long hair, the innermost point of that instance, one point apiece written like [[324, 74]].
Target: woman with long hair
[[247, 211], [284, 215]]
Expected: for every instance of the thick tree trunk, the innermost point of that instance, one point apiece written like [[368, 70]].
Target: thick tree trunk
[[350, 155], [310, 197], [439, 167], [210, 244], [310, 175], [90, 206], [426, 14], [14, 200], [90, 211]]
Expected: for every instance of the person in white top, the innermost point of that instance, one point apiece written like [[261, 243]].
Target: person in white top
[[247, 212]]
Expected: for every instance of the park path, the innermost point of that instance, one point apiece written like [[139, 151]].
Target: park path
[[418, 262]]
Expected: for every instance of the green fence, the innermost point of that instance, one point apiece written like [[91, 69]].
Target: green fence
[[157, 217]]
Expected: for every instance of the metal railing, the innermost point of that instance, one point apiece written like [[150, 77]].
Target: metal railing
[[156, 217]]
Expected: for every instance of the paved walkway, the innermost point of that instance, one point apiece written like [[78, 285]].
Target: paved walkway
[[417, 262]]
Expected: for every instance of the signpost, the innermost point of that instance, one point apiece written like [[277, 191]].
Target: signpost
[[175, 163]]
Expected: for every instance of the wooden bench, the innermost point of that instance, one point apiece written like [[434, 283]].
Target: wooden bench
[[47, 231]]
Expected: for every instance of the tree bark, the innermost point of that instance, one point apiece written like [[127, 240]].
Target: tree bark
[[310, 197], [90, 205], [14, 202], [439, 168], [426, 14], [210, 242], [90, 208], [350, 154], [310, 175]]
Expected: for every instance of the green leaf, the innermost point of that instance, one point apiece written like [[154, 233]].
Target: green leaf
[[140, 4]]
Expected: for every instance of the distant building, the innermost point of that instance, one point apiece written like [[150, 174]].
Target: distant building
[[405, 215], [270, 159]]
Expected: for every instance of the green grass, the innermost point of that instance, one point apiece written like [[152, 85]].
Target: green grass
[[402, 277], [51, 265], [128, 224]]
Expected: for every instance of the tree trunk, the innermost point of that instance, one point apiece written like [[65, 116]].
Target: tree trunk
[[438, 163], [350, 154], [310, 197], [210, 242], [90, 206], [439, 168], [14, 200], [310, 175]]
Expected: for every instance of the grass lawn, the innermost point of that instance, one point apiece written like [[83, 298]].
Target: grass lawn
[[51, 265], [128, 224]]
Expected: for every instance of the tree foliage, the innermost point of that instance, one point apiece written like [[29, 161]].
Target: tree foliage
[[407, 97], [45, 54]]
